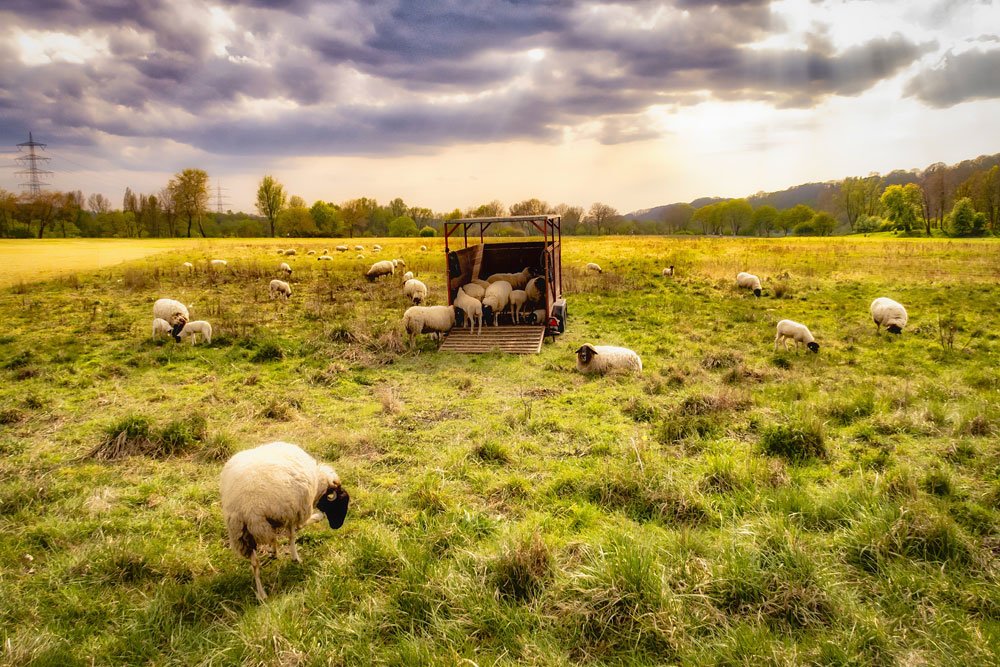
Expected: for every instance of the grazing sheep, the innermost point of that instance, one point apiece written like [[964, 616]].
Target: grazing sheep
[[591, 266], [359, 248], [797, 332], [284, 267], [188, 265], [607, 359], [376, 248], [340, 248], [423, 248], [383, 268], [290, 252], [748, 281], [219, 263], [536, 290], [324, 258], [668, 272], [311, 252], [279, 288], [431, 319], [174, 312], [272, 490], [496, 299], [471, 307], [161, 326], [518, 300], [408, 276], [192, 329], [398, 263], [888, 313], [281, 251], [477, 292], [415, 290], [517, 280]]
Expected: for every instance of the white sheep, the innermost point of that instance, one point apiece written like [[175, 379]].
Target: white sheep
[[174, 312], [477, 292], [340, 248], [415, 291], [383, 268], [281, 251], [748, 281], [376, 248], [188, 265], [396, 263], [161, 326], [471, 307], [325, 258], [423, 248], [273, 490], [290, 252], [311, 252], [517, 280], [607, 359], [668, 272], [219, 263], [591, 266], [536, 290], [496, 299], [193, 329], [430, 319], [888, 313], [359, 248], [279, 288], [787, 329], [284, 267], [481, 283], [518, 301], [408, 276]]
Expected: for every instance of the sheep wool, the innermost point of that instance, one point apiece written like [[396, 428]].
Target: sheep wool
[[423, 248], [536, 290], [517, 280], [174, 312], [407, 276], [383, 268], [219, 263], [518, 301], [471, 307], [341, 248], [324, 258], [496, 299], [396, 263], [311, 252], [607, 359], [591, 266], [889, 314], [787, 329], [430, 319], [668, 272], [290, 251], [279, 288], [199, 327], [748, 281], [415, 291], [359, 247], [273, 490], [188, 265], [161, 326], [477, 292], [284, 267]]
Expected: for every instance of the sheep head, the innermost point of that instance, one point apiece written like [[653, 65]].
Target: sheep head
[[175, 330], [756, 292], [894, 329], [586, 353], [334, 505], [813, 347]]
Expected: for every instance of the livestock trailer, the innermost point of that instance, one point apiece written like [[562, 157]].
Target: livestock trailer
[[481, 260]]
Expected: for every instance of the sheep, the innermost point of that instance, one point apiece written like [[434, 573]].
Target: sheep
[[423, 248], [327, 252], [797, 332], [431, 319], [518, 300], [290, 252], [340, 248], [408, 276], [272, 490], [481, 283], [188, 265], [538, 316], [218, 263], [591, 266], [325, 258], [359, 248], [415, 290], [668, 272], [376, 248], [161, 326], [311, 252], [477, 292], [471, 307], [279, 288], [281, 251], [517, 280], [496, 299], [607, 359], [192, 329], [284, 267], [536, 290], [174, 312], [396, 263], [888, 313], [748, 281], [383, 268]]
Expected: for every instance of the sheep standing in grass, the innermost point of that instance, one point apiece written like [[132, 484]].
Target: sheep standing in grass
[[218, 263], [517, 280], [471, 307], [888, 313], [591, 266], [174, 312], [415, 291], [376, 248], [383, 268], [279, 288], [668, 272], [273, 490], [496, 299], [607, 359], [161, 326], [290, 252], [287, 270], [193, 329], [518, 301], [799, 333], [340, 248], [324, 258], [748, 281], [359, 248], [396, 263], [188, 265], [431, 319]]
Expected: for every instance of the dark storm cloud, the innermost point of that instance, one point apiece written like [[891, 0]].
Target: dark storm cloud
[[973, 75]]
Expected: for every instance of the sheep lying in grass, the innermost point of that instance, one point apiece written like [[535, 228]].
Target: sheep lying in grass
[[383, 268], [161, 326], [748, 281], [517, 280], [279, 288], [495, 300], [471, 308], [193, 329], [290, 251], [787, 329], [423, 248], [311, 252], [888, 313], [174, 312], [273, 490], [287, 270], [607, 359], [415, 291], [431, 319], [376, 248], [359, 248]]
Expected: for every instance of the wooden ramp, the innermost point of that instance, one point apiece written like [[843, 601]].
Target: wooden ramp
[[519, 339]]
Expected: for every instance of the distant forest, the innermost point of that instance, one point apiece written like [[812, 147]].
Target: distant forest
[[953, 200]]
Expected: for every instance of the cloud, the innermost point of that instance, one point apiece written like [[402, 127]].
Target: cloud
[[972, 75]]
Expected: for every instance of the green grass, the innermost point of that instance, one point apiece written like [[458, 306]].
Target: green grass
[[731, 505]]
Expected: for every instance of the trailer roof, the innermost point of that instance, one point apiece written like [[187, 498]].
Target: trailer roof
[[543, 217]]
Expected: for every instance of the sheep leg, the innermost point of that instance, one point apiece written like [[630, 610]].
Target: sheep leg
[[291, 545], [255, 566], [776, 339]]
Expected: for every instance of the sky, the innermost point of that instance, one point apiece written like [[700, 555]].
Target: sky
[[453, 103]]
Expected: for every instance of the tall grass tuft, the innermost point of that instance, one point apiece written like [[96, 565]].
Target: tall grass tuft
[[522, 569], [794, 441]]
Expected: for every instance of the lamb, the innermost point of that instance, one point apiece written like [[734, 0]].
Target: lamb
[[518, 300], [340, 248], [477, 292], [324, 258], [517, 280], [536, 290], [383, 268], [174, 312], [748, 281], [219, 263], [192, 329], [272, 490], [431, 319], [496, 299], [888, 313], [471, 307], [279, 288], [591, 266], [797, 332], [396, 263], [161, 326], [284, 267], [668, 272], [408, 276], [415, 290], [607, 359]]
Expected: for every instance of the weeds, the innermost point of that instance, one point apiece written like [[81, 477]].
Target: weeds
[[796, 442]]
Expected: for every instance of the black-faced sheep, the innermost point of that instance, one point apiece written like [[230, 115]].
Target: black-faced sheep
[[496, 300], [787, 329], [748, 281], [431, 319], [415, 291], [591, 266], [888, 313], [279, 288], [383, 268], [174, 312], [606, 359]]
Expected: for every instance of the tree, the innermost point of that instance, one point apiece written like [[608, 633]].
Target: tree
[[43, 208], [599, 215], [357, 213], [69, 213], [902, 204], [705, 217], [8, 207], [397, 208], [270, 200], [149, 207], [403, 226], [765, 218], [296, 201], [428, 231], [858, 197], [493, 209], [677, 217], [296, 221], [130, 207], [790, 218], [964, 220], [327, 218], [934, 182], [169, 208], [823, 223], [736, 214], [421, 215], [189, 191], [98, 203], [531, 207]]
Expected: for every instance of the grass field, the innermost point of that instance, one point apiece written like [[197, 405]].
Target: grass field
[[731, 505]]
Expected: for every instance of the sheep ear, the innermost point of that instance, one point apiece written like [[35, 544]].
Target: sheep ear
[[335, 509]]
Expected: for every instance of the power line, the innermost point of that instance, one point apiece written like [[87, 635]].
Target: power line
[[219, 199], [30, 162]]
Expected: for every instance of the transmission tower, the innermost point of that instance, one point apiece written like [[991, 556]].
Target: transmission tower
[[32, 171], [219, 198]]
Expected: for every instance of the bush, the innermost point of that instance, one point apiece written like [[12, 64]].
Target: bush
[[794, 442], [427, 231]]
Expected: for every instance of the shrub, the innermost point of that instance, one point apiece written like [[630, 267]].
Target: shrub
[[794, 442], [128, 436], [427, 231]]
